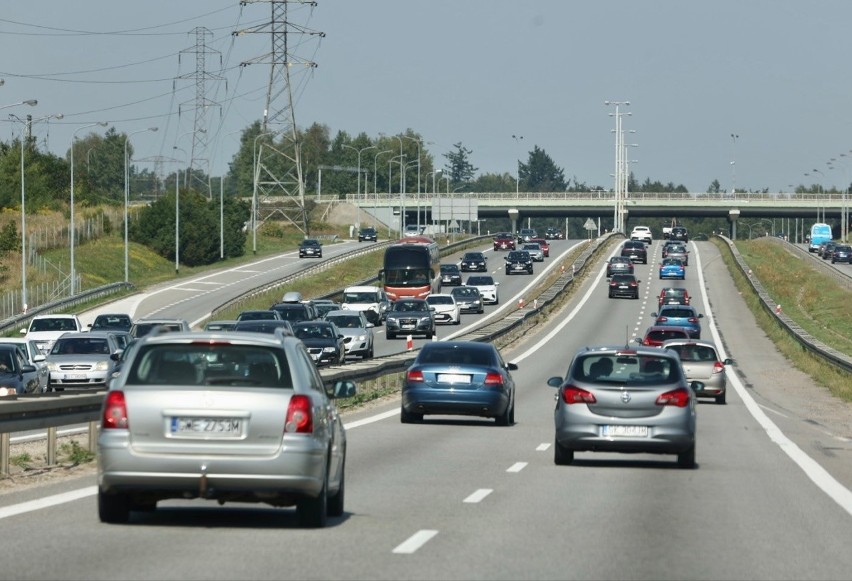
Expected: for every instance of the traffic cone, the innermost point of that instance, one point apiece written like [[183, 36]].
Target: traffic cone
[[777, 309], [409, 343], [521, 303], [535, 303]]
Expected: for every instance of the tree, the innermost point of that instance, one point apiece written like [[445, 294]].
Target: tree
[[492, 182], [540, 173], [460, 169], [715, 187]]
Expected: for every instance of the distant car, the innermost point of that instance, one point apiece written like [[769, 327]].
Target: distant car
[[504, 241], [17, 376], [624, 285], [295, 312], [642, 233], [111, 322], [535, 250], [617, 399], [544, 244], [553, 233], [410, 317], [842, 253], [473, 262], [254, 315], [468, 299], [46, 329], [325, 306], [371, 299], [357, 332], [679, 233], [527, 234], [268, 326], [142, 327], [487, 287], [656, 335], [310, 248], [450, 275], [446, 308], [459, 378], [619, 265], [324, 341], [413, 230], [678, 251], [32, 356], [680, 316], [672, 268], [82, 360], [368, 234], [701, 362], [220, 325], [239, 419], [673, 296], [519, 261], [635, 250]]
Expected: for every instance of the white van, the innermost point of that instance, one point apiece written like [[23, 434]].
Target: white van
[[372, 300], [46, 329]]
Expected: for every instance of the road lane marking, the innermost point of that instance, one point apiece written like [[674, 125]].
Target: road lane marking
[[517, 467], [542, 447], [47, 501], [478, 495], [415, 541], [372, 419]]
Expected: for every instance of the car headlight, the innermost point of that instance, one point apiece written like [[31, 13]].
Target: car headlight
[[361, 338], [8, 390], [101, 366], [52, 366], [329, 349]]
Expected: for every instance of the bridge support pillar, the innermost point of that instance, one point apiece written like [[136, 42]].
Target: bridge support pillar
[[513, 216], [732, 218]]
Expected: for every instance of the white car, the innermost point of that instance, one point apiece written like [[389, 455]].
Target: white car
[[370, 299], [46, 329], [446, 308], [642, 233], [487, 287]]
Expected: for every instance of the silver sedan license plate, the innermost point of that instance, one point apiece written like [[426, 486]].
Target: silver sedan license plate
[[225, 427], [624, 431]]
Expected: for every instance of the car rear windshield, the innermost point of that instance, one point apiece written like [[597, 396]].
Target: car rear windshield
[[360, 297], [58, 324], [81, 346], [629, 370], [210, 364], [689, 352]]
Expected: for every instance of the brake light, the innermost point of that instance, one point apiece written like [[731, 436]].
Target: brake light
[[300, 418], [115, 412], [662, 319], [718, 367], [692, 320], [415, 376], [678, 397], [572, 394], [633, 283], [492, 378]]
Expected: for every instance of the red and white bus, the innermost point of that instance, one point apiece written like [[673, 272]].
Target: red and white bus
[[411, 268]]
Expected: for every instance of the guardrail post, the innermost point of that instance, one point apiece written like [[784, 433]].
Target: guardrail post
[[4, 453], [93, 436], [51, 446]]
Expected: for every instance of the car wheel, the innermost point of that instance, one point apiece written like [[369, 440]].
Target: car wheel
[[506, 418], [313, 512], [687, 459], [113, 508], [370, 353], [562, 456], [335, 501], [457, 321], [409, 417], [507, 272], [720, 399]]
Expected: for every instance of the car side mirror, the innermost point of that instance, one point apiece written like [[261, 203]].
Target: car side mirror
[[654, 315], [512, 366], [700, 316], [728, 361], [555, 382], [342, 389], [696, 385], [637, 340], [370, 325]]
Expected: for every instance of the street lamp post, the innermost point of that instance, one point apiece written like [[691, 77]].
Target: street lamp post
[[73, 232], [734, 138], [417, 197], [401, 201], [127, 202], [619, 140], [375, 179], [359, 151], [518, 139]]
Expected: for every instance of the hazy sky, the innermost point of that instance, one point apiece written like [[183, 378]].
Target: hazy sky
[[776, 73]]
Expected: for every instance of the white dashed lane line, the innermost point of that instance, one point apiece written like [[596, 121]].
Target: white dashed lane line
[[415, 541], [478, 495], [517, 467]]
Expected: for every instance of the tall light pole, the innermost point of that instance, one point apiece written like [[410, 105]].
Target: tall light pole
[[375, 179], [30, 102], [359, 151], [417, 197], [734, 138], [255, 177], [73, 232], [400, 157], [127, 202], [619, 140], [518, 139]]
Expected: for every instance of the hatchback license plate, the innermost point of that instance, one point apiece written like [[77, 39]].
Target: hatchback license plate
[[207, 426], [624, 431]]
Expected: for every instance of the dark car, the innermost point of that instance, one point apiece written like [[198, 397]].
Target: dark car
[[678, 251], [410, 317], [504, 241], [450, 275], [269, 326], [254, 315], [519, 261], [469, 299], [673, 296], [627, 400], [474, 262], [553, 233], [111, 322], [624, 285], [459, 378], [310, 248], [295, 312], [619, 265], [527, 234], [220, 325], [679, 233], [368, 234], [17, 376], [842, 253], [635, 250], [828, 250], [324, 306], [143, 327], [324, 341], [680, 316]]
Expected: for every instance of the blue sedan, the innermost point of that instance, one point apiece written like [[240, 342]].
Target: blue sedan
[[459, 378], [672, 268]]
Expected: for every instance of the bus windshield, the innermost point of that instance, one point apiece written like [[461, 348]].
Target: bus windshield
[[405, 277], [410, 268]]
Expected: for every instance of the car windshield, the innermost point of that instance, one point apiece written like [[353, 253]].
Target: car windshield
[[313, 332], [402, 277], [81, 346], [439, 300], [346, 321], [473, 256], [449, 268], [465, 292], [57, 324], [677, 313], [627, 370], [360, 297], [480, 281], [410, 306]]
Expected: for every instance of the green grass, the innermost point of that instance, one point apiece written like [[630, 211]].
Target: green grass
[[815, 301]]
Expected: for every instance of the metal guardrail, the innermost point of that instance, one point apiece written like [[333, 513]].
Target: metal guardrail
[[829, 355]]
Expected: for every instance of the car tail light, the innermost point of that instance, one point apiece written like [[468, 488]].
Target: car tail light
[[115, 412], [662, 319], [415, 376], [613, 283], [492, 378], [633, 283], [692, 320], [572, 394], [678, 397], [300, 418], [718, 367]]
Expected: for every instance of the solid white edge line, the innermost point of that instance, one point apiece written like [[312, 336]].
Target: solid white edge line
[[478, 495], [415, 541], [372, 419], [47, 501]]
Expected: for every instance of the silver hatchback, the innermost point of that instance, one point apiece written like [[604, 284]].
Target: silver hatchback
[[230, 417], [624, 399], [701, 362]]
